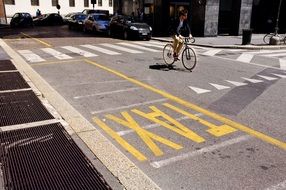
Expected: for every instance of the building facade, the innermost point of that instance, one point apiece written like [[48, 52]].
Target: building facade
[[50, 6], [210, 17]]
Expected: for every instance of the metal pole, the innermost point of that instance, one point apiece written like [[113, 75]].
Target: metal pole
[[277, 20]]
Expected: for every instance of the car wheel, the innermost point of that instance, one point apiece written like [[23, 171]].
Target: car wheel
[[125, 35]]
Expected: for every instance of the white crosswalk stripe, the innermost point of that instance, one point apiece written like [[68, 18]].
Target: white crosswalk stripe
[[149, 44], [102, 50], [79, 51], [30, 56], [56, 54], [120, 48], [282, 63], [212, 52], [138, 47]]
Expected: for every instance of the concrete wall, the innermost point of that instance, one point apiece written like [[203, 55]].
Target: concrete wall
[[46, 7], [2, 13], [245, 15], [211, 18]]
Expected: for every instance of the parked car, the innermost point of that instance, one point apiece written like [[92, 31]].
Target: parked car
[[91, 11], [68, 17], [76, 21], [96, 22], [127, 28], [48, 19], [21, 20]]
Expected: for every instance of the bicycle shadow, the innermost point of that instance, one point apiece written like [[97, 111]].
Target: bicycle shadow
[[164, 67]]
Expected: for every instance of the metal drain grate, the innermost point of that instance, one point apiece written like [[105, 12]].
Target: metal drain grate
[[21, 107], [6, 65], [46, 157], [12, 81]]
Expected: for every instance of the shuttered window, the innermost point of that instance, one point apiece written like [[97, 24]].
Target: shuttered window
[[110, 3], [9, 2], [99, 2], [35, 2], [72, 3], [86, 3], [55, 2]]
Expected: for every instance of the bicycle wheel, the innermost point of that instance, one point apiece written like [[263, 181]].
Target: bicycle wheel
[[189, 58], [266, 38], [168, 54]]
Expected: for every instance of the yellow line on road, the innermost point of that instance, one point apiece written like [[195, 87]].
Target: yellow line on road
[[36, 39], [192, 106], [56, 62]]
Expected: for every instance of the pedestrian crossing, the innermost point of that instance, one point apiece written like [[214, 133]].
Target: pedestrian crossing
[[277, 58]]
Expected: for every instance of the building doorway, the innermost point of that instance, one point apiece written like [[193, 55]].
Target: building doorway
[[225, 17]]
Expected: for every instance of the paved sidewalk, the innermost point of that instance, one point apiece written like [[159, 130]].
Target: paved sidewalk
[[229, 42]]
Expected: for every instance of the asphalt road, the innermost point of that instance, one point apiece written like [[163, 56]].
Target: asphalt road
[[221, 126]]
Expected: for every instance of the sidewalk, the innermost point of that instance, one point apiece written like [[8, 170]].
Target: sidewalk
[[233, 42]]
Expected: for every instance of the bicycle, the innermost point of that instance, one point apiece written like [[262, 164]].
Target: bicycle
[[188, 55], [267, 37]]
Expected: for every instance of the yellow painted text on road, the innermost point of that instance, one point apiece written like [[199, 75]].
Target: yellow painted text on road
[[145, 135], [196, 108]]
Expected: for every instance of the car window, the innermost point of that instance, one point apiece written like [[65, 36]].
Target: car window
[[16, 15], [101, 17], [80, 17]]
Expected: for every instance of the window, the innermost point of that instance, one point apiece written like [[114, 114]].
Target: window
[[35, 2], [72, 3], [86, 3], [9, 2], [99, 2], [110, 3], [55, 2]]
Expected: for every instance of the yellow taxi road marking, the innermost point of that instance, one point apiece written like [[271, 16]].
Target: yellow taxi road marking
[[165, 162], [56, 62], [145, 135], [187, 104], [120, 140], [174, 126], [213, 129], [36, 39]]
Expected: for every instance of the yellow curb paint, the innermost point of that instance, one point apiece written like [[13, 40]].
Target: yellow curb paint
[[120, 140], [42, 42], [213, 115]]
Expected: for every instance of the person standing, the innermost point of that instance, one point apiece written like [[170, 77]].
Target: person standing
[[180, 29], [38, 13]]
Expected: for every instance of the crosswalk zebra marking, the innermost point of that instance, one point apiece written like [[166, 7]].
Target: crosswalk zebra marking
[[245, 57], [120, 48], [235, 83], [252, 80], [56, 54], [267, 77], [149, 44], [30, 56], [275, 54], [282, 63], [102, 50], [79, 51], [199, 90], [212, 52], [138, 47], [279, 75], [219, 87]]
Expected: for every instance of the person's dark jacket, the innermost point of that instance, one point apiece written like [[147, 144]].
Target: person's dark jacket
[[184, 31]]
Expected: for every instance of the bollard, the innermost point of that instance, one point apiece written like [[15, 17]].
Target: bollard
[[246, 36]]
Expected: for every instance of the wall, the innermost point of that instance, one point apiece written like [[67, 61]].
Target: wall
[[245, 15], [46, 7], [211, 18], [2, 13]]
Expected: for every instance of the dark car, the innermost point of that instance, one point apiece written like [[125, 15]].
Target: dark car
[[48, 19], [21, 20], [77, 21], [96, 22], [68, 17], [91, 11], [127, 28]]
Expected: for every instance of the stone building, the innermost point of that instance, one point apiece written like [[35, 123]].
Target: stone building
[[2, 13]]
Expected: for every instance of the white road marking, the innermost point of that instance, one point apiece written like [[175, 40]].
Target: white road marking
[[236, 83], [158, 43], [138, 47], [199, 90], [267, 77], [30, 56], [56, 54], [162, 163], [120, 48], [29, 125], [149, 44], [129, 106], [245, 57], [282, 63], [281, 76], [252, 80], [212, 52], [275, 54], [105, 93], [79, 51], [102, 50], [280, 186], [154, 125], [219, 87]]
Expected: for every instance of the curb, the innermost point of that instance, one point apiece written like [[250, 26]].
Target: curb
[[250, 47]]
